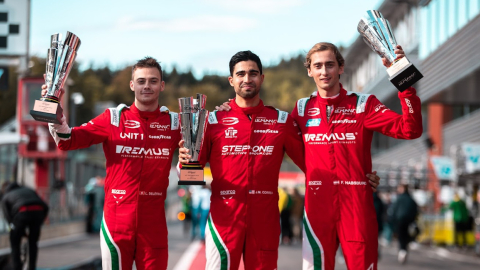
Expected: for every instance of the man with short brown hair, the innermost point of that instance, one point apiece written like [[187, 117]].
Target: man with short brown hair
[[323, 46], [138, 142], [337, 128]]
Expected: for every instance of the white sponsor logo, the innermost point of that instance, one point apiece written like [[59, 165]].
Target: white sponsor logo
[[175, 121], [230, 121], [132, 124], [314, 189], [150, 193], [138, 152], [131, 136], [315, 183], [225, 195], [227, 192], [264, 192], [159, 127], [378, 107], [230, 133], [247, 149], [344, 121], [410, 108], [119, 191], [265, 121], [265, 131], [344, 110], [159, 137], [333, 137], [115, 116], [301, 106], [350, 183], [407, 79], [313, 111]]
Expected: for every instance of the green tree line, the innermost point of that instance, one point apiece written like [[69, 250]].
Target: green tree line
[[284, 83]]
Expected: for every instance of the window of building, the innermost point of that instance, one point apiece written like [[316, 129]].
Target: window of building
[[459, 111], [441, 19]]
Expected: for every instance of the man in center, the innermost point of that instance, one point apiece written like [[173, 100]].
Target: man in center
[[245, 148]]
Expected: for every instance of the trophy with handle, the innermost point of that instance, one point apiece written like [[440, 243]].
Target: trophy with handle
[[378, 34], [60, 58], [193, 117]]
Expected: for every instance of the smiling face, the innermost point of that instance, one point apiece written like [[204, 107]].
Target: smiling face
[[246, 79], [147, 84], [325, 70]]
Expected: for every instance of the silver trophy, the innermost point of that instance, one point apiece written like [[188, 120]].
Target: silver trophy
[[60, 59], [378, 34], [193, 118]]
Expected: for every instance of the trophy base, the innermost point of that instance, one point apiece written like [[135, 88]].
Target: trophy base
[[403, 74], [191, 174], [47, 111]]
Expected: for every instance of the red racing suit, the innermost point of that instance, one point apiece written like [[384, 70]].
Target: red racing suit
[[338, 199], [245, 148], [138, 148]]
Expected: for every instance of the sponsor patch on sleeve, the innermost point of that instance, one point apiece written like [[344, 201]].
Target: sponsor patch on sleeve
[[212, 117]]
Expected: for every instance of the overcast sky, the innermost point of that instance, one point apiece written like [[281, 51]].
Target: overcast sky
[[199, 35]]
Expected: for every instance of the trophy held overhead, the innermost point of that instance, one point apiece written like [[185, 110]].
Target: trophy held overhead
[[60, 59], [378, 35]]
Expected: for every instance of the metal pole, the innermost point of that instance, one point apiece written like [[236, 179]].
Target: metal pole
[[27, 56]]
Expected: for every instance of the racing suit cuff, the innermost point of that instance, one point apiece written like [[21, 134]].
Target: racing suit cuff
[[407, 92], [60, 131]]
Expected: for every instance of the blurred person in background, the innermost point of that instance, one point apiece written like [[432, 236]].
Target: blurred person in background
[[138, 141], [204, 208], [285, 204], [99, 202], [297, 214], [403, 213], [200, 208], [460, 219], [196, 201], [90, 203], [187, 210], [388, 225], [380, 211], [94, 198], [24, 210]]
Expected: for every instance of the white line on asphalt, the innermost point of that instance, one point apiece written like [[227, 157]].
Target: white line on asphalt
[[185, 262]]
